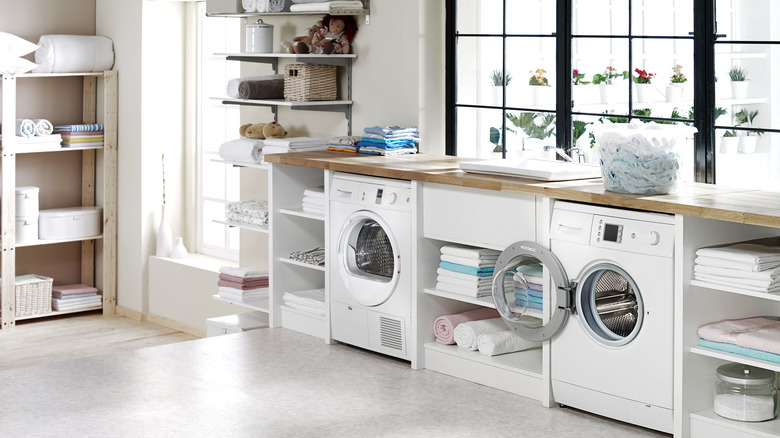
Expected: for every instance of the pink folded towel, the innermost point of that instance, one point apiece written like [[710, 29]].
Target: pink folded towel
[[73, 289], [728, 330], [444, 326], [765, 339], [242, 286]]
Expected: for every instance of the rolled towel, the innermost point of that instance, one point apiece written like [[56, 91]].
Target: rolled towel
[[492, 344], [247, 150], [25, 128], [232, 86], [43, 127], [466, 334], [261, 89], [250, 5], [444, 326], [277, 5]]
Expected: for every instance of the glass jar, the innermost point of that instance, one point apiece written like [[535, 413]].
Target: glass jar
[[745, 393]]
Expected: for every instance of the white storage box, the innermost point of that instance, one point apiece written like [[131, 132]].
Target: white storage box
[[26, 229], [27, 201], [69, 223], [224, 325]]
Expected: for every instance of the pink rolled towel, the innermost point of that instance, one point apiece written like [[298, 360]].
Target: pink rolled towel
[[444, 326]]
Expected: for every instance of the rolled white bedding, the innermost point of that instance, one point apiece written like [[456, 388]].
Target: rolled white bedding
[[43, 127], [467, 333], [246, 150], [506, 341], [74, 53]]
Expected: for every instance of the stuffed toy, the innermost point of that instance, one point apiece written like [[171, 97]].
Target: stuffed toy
[[252, 130], [335, 36], [273, 130], [243, 128], [304, 41]]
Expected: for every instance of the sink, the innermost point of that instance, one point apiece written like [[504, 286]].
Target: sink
[[533, 168]]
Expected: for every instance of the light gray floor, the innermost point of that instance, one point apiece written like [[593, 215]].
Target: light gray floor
[[270, 383]]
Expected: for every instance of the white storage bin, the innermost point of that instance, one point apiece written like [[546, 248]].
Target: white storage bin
[[69, 223], [26, 229], [224, 325], [27, 201]]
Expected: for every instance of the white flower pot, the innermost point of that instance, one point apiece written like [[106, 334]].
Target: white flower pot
[[747, 144], [674, 93], [739, 89], [497, 93], [540, 95], [645, 92], [729, 145], [608, 92]]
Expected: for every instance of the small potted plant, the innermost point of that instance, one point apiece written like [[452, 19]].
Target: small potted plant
[[578, 92], [498, 80], [540, 86], [729, 143], [644, 86], [674, 90], [607, 82], [739, 84], [747, 142]]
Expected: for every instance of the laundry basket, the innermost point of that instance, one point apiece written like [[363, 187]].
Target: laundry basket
[[305, 82], [33, 294]]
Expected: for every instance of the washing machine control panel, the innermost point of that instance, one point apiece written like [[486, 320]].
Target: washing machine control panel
[[388, 197], [642, 237]]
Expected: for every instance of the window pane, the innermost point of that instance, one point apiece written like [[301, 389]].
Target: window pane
[[747, 78], [532, 60], [747, 19], [478, 58], [669, 66], [748, 161], [604, 63], [530, 17], [480, 16], [662, 17], [600, 17], [479, 133]]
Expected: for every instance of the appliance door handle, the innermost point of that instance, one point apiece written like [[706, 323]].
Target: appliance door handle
[[565, 227], [345, 192]]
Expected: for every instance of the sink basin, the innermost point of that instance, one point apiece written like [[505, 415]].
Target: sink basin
[[533, 168]]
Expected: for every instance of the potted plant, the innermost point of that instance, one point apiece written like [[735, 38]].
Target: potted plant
[[578, 92], [607, 83], [739, 84], [644, 87], [498, 80], [747, 142], [540, 86], [536, 126], [674, 90], [729, 143]]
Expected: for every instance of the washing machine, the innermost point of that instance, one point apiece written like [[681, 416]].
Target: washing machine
[[370, 279], [610, 305]]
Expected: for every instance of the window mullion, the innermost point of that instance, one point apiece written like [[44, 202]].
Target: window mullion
[[704, 90], [563, 43]]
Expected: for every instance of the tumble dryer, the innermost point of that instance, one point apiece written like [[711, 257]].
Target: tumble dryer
[[610, 301], [370, 280]]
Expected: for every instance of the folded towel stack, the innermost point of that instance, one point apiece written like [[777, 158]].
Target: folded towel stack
[[745, 266], [52, 141], [757, 337], [445, 325], [314, 256], [527, 285], [250, 212], [294, 144], [466, 270], [314, 200], [309, 301], [74, 297], [324, 5], [242, 284], [84, 135], [347, 143], [242, 150], [389, 140]]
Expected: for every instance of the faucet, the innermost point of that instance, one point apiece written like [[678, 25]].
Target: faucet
[[576, 154]]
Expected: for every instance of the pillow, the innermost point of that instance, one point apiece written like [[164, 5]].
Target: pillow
[[12, 45], [10, 65]]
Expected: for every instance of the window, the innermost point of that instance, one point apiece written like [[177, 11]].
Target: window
[[528, 76], [217, 183]]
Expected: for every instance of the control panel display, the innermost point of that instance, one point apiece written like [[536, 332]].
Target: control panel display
[[379, 196], [612, 232]]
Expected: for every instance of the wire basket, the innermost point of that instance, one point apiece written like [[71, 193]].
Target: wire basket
[[305, 82], [33, 294]]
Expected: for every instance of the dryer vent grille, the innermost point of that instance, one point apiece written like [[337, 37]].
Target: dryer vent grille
[[391, 333]]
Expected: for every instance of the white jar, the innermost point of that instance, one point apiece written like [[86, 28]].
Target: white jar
[[259, 37]]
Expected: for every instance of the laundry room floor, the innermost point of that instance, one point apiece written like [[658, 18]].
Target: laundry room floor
[[271, 383]]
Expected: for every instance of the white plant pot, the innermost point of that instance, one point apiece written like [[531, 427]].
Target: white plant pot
[[729, 145], [608, 93], [497, 95], [674, 93], [540, 95], [644, 92], [739, 89], [747, 144], [164, 239]]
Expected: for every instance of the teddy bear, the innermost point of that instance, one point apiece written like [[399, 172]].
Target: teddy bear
[[334, 36], [273, 130], [252, 130], [303, 41]]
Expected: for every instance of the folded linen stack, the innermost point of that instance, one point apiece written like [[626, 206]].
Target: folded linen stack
[[347, 143], [52, 141], [250, 212], [314, 256], [314, 200], [74, 297], [747, 266], [242, 284], [466, 270], [309, 301], [294, 144], [324, 5], [444, 326], [756, 337], [84, 135], [527, 284], [389, 140]]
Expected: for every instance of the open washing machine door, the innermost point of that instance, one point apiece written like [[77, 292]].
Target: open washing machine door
[[522, 312], [369, 259]]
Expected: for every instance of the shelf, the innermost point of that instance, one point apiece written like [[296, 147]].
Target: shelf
[[305, 265], [243, 226], [761, 429], [57, 313], [333, 11], [300, 213], [259, 305], [736, 358], [31, 148], [56, 241], [56, 75], [484, 301], [317, 104], [271, 58], [734, 290], [527, 362], [303, 313], [303, 322], [263, 166]]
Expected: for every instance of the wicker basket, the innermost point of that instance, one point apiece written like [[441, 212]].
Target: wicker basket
[[305, 82], [33, 294]]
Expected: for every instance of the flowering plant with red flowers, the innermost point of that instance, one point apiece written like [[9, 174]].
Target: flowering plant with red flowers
[[578, 77], [644, 77]]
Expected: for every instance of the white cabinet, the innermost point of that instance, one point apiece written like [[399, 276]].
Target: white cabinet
[[98, 167]]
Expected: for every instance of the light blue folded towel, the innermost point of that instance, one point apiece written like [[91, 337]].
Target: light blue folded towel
[[531, 304], [531, 292], [742, 351], [519, 296], [390, 130], [463, 269]]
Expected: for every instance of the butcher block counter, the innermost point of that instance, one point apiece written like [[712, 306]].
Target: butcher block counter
[[757, 207]]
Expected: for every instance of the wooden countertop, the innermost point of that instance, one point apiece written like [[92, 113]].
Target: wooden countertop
[[748, 206]]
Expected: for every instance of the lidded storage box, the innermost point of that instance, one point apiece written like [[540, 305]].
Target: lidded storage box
[[26, 229], [305, 82], [27, 201], [745, 393], [70, 222]]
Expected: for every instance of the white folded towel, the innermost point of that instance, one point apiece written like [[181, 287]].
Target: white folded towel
[[507, 341], [481, 287], [245, 272], [305, 308], [465, 291], [470, 253], [25, 128], [466, 333], [474, 281], [314, 297], [768, 275], [483, 263], [315, 192], [43, 127], [325, 6], [244, 150], [732, 283], [743, 252], [731, 264], [737, 282], [462, 276]]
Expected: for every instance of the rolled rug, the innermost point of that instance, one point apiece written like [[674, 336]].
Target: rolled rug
[[25, 128], [262, 89], [43, 127]]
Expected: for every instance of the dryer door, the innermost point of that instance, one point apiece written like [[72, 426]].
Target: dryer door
[[518, 292], [368, 258]]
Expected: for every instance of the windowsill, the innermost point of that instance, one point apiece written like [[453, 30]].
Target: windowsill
[[199, 261]]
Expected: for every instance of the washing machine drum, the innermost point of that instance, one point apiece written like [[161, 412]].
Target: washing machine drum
[[369, 262]]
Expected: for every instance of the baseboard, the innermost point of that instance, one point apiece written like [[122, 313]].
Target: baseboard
[[165, 322], [132, 314]]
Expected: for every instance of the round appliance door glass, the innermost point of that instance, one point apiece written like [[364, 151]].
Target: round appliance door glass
[[369, 261], [610, 305]]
